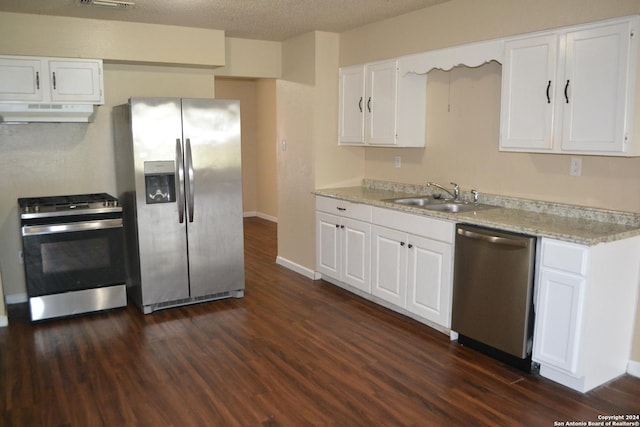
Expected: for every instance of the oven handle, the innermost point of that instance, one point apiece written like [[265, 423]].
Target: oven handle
[[34, 230]]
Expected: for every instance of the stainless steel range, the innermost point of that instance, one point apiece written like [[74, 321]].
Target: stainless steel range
[[73, 254]]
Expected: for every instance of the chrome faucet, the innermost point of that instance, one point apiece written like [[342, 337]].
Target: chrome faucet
[[456, 189]]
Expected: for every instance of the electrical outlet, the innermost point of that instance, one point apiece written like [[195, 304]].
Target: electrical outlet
[[398, 162], [575, 168]]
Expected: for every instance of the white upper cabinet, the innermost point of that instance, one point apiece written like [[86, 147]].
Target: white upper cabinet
[[75, 80], [20, 79], [381, 103], [51, 80], [380, 106], [595, 89], [527, 112], [352, 105], [571, 91]]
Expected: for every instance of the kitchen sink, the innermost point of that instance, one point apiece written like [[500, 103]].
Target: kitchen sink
[[419, 201], [440, 205]]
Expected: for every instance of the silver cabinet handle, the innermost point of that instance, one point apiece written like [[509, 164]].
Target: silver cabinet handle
[[492, 239], [180, 173], [190, 180]]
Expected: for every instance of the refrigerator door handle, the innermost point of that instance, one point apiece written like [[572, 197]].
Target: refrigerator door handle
[[180, 173], [190, 181]]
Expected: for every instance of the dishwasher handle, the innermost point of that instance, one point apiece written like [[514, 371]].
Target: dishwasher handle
[[498, 240]]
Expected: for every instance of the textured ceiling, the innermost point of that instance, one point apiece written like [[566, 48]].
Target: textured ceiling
[[274, 20]]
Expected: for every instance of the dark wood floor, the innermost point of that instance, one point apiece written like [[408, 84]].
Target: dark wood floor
[[292, 352]]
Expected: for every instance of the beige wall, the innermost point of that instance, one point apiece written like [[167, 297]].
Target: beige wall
[[267, 145], [252, 58], [257, 103], [307, 121], [22, 34], [245, 91], [462, 143]]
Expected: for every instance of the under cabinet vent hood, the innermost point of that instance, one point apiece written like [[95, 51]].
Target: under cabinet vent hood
[[20, 113]]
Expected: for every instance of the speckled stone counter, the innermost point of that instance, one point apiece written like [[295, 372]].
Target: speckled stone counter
[[570, 223]]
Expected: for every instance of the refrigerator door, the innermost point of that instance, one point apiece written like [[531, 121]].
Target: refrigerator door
[[213, 189], [156, 125]]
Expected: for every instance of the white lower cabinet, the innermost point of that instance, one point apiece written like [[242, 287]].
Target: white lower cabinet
[[389, 272], [412, 263], [585, 311], [343, 243], [430, 280], [403, 259]]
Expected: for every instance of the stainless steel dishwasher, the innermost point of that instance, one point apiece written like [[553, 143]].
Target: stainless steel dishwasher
[[493, 293]]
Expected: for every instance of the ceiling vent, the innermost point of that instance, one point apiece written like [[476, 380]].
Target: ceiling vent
[[116, 4]]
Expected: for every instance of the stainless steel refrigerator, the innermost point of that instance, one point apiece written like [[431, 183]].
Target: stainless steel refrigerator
[[178, 175]]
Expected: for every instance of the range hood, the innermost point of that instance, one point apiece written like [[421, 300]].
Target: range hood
[[52, 113]]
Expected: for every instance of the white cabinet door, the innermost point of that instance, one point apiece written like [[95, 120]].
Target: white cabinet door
[[21, 79], [51, 80], [329, 252], [76, 81], [351, 105], [389, 265], [343, 249], [430, 264], [381, 103], [594, 90], [570, 91], [528, 87], [558, 317], [356, 250]]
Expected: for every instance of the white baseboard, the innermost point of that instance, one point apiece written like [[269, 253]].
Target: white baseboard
[[260, 215], [306, 272], [16, 298], [4, 321], [633, 368]]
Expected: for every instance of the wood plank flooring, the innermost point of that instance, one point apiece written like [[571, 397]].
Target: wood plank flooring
[[292, 352]]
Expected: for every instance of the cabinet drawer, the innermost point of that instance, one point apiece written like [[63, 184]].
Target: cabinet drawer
[[564, 256], [344, 208], [418, 225]]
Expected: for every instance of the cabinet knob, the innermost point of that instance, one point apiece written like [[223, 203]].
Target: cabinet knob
[[410, 246], [401, 243]]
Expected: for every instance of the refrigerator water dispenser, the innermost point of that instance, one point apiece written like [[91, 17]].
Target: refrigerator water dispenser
[[160, 181]]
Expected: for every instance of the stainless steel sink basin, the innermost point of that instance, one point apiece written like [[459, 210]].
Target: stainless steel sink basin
[[420, 201], [440, 205]]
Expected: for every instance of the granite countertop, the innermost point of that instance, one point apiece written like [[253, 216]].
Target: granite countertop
[[570, 223]]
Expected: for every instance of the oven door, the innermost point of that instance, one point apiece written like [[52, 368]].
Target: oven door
[[73, 256]]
